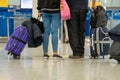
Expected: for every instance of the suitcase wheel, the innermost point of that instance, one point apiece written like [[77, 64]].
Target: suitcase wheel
[[95, 57], [16, 56]]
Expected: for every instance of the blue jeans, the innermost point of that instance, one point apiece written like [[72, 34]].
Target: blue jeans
[[51, 25]]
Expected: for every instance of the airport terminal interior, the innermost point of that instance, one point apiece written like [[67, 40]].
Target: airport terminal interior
[[32, 65]]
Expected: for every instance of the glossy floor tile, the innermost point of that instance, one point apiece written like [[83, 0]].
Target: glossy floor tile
[[32, 66]]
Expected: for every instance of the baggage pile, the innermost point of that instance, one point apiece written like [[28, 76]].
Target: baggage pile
[[30, 31]]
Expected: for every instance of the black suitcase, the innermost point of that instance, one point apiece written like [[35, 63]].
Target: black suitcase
[[114, 51], [99, 42]]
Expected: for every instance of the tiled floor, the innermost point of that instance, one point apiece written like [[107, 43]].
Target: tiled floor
[[32, 66]]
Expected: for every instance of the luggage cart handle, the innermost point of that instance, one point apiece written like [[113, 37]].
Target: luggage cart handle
[[8, 34]]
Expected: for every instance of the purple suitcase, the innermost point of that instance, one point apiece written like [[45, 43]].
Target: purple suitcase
[[17, 41]]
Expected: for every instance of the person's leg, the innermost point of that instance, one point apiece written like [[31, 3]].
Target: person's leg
[[81, 32], [76, 32], [54, 30], [47, 27], [72, 26]]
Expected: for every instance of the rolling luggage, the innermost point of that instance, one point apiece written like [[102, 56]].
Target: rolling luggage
[[114, 51], [99, 42], [17, 41]]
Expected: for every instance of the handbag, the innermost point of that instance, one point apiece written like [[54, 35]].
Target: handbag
[[64, 10], [39, 23]]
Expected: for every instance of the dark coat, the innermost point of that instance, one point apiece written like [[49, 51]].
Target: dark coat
[[98, 17], [34, 34], [78, 4]]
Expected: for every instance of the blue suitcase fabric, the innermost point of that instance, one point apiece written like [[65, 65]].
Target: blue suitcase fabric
[[99, 42]]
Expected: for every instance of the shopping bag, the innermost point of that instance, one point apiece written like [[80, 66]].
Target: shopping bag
[[64, 10]]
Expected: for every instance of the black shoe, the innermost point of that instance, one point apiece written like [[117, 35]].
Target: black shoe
[[46, 56], [57, 56], [82, 56], [74, 57]]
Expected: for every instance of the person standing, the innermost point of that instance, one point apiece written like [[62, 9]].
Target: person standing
[[50, 10], [76, 26]]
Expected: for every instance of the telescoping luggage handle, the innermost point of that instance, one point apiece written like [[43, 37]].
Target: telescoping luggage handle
[[8, 26], [8, 32], [102, 41]]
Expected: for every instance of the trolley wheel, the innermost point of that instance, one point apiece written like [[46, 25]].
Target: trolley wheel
[[16, 56]]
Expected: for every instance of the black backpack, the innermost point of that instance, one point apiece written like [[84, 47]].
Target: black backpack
[[98, 17]]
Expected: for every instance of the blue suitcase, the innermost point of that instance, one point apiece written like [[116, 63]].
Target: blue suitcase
[[99, 42]]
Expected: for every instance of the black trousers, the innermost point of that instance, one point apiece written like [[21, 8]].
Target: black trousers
[[76, 31]]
